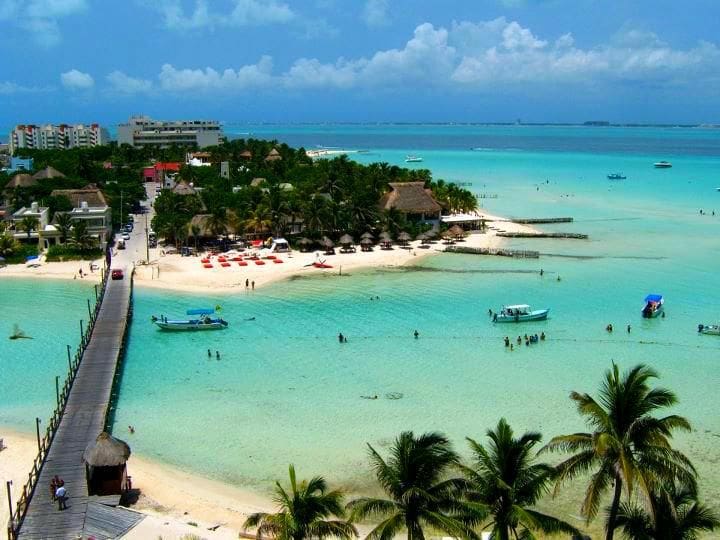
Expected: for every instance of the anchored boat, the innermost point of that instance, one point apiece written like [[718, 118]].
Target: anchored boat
[[662, 164], [413, 159], [654, 306], [709, 329], [616, 176], [520, 313], [204, 321]]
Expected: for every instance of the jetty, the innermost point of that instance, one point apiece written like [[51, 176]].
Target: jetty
[[84, 405], [499, 252], [541, 235], [539, 221]]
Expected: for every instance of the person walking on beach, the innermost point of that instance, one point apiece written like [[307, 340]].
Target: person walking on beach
[[416, 334], [209, 354], [341, 338], [61, 496], [247, 283], [217, 355], [253, 285]]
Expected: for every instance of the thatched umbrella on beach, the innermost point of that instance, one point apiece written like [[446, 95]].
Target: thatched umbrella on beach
[[404, 238], [304, 243], [367, 234], [457, 231], [328, 245], [386, 240], [346, 240], [366, 244]]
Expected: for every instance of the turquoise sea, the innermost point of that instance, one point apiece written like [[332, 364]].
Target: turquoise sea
[[284, 390]]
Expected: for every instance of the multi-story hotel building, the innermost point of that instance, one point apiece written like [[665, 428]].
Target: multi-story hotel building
[[143, 131], [57, 137]]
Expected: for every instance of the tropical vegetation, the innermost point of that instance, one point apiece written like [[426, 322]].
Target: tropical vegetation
[[303, 513], [430, 490]]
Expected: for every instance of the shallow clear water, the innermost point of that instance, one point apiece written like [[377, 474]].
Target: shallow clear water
[[49, 311], [286, 391]]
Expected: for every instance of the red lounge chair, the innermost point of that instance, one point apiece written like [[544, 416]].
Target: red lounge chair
[[224, 264], [242, 263], [236, 259], [222, 259], [271, 257], [259, 263], [207, 265], [205, 261], [277, 261]]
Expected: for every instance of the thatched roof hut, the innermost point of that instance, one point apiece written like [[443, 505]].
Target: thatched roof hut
[[457, 231], [366, 242], [92, 196], [404, 237], [48, 173], [346, 240], [411, 198], [201, 222], [183, 188], [274, 155], [106, 451], [21, 180], [246, 154], [385, 237], [327, 243], [367, 234], [304, 243]]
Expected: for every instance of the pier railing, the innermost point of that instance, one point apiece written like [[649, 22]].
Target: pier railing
[[61, 393]]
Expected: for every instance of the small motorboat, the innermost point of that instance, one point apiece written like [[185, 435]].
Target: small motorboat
[[654, 306], [662, 164], [616, 176], [520, 313], [413, 159], [709, 329], [203, 322]]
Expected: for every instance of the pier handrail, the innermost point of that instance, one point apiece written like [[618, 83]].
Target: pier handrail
[[16, 518]]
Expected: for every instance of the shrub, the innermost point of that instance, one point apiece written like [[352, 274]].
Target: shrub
[[72, 253]]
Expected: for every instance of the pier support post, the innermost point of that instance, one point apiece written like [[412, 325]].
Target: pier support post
[[82, 334], [96, 293], [37, 431], [8, 484], [57, 390], [69, 360], [89, 311]]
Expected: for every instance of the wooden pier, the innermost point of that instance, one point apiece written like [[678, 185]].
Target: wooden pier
[[83, 411], [500, 252], [538, 221], [577, 236]]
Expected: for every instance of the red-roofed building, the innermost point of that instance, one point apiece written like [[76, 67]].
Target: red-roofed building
[[163, 172]]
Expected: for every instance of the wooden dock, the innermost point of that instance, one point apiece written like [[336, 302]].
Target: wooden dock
[[85, 413], [538, 221], [500, 252], [577, 236]]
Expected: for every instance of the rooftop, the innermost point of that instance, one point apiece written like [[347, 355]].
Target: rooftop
[[410, 197]]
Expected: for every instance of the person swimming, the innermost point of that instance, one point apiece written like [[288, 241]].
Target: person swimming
[[369, 397]]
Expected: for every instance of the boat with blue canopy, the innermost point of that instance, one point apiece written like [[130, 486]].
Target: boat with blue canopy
[[203, 321], [654, 306]]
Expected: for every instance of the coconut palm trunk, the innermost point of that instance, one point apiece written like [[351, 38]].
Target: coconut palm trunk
[[615, 505]]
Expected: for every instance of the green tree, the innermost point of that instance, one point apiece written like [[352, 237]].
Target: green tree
[[8, 245], [80, 236], [29, 224], [672, 513], [217, 222], [303, 513], [420, 494], [195, 233], [258, 219], [63, 222], [629, 446], [504, 483]]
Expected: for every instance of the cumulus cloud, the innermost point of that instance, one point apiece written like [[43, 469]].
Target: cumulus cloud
[[76, 80], [486, 55], [40, 17], [124, 84], [375, 13], [243, 13]]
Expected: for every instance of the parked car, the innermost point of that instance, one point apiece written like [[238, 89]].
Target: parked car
[[121, 244], [117, 274]]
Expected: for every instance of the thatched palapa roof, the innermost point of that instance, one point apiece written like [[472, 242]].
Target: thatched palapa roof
[[366, 241], [346, 239], [106, 451], [48, 173], [183, 188], [246, 154], [274, 155], [326, 242], [367, 234], [410, 198], [92, 196], [404, 237], [256, 182], [21, 180]]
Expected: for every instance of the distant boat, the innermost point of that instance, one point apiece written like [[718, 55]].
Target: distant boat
[[654, 306], [203, 322], [662, 164], [616, 176], [520, 313], [709, 329], [413, 159]]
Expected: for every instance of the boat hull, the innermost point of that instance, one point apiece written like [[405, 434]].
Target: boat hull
[[651, 314], [190, 326], [710, 329], [538, 315]]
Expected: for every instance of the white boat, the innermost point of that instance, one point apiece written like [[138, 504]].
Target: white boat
[[520, 313], [654, 306], [203, 322], [662, 164], [709, 329], [413, 159]]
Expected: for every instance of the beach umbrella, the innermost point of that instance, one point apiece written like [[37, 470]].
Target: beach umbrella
[[385, 236], [404, 237], [432, 233], [366, 241], [304, 241], [346, 239], [106, 451], [457, 231], [367, 234], [326, 242]]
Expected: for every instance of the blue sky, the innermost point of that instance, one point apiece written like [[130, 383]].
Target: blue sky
[[360, 60]]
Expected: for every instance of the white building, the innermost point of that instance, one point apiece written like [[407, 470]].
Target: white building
[[143, 131], [57, 137]]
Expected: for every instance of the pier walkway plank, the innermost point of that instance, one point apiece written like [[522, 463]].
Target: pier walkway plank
[[82, 421]]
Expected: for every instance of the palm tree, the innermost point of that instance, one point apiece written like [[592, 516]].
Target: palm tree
[[195, 232], [674, 513], [63, 222], [217, 222], [303, 513], [420, 495], [628, 447], [258, 219], [505, 483], [80, 236], [29, 224]]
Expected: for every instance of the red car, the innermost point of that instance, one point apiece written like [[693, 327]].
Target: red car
[[117, 274]]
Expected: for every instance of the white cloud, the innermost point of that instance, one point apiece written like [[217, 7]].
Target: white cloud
[[375, 13], [76, 80], [9, 87], [124, 84], [243, 13], [490, 55], [40, 17]]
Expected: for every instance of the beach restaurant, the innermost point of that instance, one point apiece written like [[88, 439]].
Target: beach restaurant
[[413, 200]]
